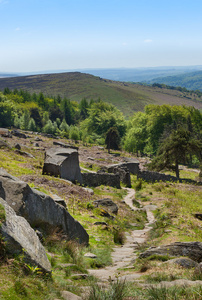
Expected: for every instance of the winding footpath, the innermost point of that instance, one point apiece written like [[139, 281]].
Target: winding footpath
[[123, 257]]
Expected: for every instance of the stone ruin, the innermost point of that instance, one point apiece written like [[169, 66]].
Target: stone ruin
[[63, 163]]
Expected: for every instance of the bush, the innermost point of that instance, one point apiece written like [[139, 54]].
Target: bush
[[74, 133], [119, 236]]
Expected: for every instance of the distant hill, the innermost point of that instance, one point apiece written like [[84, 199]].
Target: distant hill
[[140, 74], [127, 97], [191, 81], [3, 75]]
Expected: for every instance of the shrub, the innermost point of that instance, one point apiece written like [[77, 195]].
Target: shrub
[[119, 236], [116, 291]]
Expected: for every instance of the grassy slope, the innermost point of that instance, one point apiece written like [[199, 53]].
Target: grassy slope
[[177, 203], [75, 86]]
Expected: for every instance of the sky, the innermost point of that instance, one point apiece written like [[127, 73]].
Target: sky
[[42, 35]]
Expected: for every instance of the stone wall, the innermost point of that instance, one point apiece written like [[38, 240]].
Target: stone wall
[[97, 179], [155, 176], [123, 172], [132, 166]]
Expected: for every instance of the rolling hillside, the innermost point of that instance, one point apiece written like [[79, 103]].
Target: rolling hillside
[[127, 97], [192, 81]]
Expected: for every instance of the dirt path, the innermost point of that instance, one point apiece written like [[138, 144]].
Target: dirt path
[[123, 256]]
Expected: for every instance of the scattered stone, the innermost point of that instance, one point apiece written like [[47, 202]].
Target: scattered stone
[[21, 238], [4, 144], [5, 132], [63, 145], [101, 223], [36, 145], [38, 208], [37, 139], [63, 163], [90, 255], [90, 158], [108, 204], [193, 250], [198, 216], [79, 276], [186, 263], [70, 296], [19, 134], [90, 191], [24, 153], [105, 213], [17, 146]]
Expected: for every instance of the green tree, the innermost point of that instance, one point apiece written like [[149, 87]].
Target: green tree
[[103, 116], [74, 133], [67, 110], [32, 125], [7, 114], [176, 149], [34, 113], [83, 109], [112, 139], [24, 120]]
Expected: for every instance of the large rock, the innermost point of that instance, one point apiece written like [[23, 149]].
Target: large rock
[[39, 209], [192, 250], [131, 164], [19, 134], [4, 144], [5, 132], [62, 162], [107, 204], [183, 262], [21, 238]]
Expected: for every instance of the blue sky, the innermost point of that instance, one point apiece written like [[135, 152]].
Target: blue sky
[[39, 35]]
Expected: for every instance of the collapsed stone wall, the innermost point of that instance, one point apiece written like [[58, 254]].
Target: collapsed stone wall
[[132, 166], [155, 176], [97, 179], [123, 172]]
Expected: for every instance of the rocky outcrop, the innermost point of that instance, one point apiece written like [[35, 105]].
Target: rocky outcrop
[[123, 173], [5, 132], [21, 238], [19, 134], [39, 209], [183, 262], [64, 145], [131, 164], [63, 163], [193, 250], [97, 179], [108, 204], [4, 144]]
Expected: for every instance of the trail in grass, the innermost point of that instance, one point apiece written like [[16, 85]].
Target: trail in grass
[[123, 257]]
